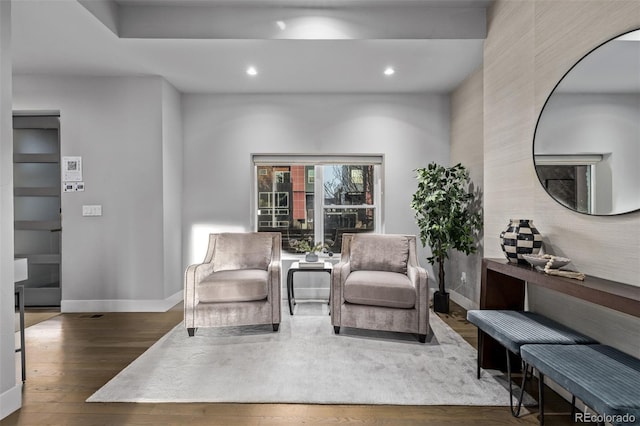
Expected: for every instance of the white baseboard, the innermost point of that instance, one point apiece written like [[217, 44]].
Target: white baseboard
[[121, 305], [467, 304], [10, 400]]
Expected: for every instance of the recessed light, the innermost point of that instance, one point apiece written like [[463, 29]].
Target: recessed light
[[389, 71], [252, 71], [281, 24]]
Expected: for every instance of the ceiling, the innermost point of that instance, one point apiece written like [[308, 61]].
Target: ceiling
[[205, 46], [613, 67]]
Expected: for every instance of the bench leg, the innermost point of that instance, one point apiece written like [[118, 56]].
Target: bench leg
[[516, 412], [541, 397]]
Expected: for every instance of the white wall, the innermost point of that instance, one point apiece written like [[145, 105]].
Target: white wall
[[598, 123], [222, 131], [466, 148], [129, 134], [10, 392], [116, 261], [172, 166]]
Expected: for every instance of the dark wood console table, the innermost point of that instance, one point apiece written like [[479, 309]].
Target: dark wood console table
[[503, 287]]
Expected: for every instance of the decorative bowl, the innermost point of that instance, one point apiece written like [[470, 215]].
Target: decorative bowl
[[542, 259]]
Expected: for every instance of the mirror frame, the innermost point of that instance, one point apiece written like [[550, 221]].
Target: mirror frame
[[533, 145]]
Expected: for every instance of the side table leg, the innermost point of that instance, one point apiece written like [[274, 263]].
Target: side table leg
[[290, 290], [330, 291]]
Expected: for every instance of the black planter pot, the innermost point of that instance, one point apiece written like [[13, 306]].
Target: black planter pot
[[441, 302]]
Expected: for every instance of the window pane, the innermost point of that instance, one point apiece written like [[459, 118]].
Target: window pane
[[349, 220], [348, 184], [568, 184], [282, 176], [282, 199], [285, 202], [264, 200]]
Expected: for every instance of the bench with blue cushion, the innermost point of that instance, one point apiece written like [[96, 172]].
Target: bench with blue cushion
[[513, 329], [602, 377]]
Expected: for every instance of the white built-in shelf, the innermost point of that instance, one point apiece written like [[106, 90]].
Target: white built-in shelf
[[36, 158], [20, 268], [37, 225], [41, 259], [36, 191]]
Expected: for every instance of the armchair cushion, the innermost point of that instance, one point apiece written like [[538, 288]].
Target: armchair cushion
[[376, 252], [380, 288], [234, 286], [242, 251]]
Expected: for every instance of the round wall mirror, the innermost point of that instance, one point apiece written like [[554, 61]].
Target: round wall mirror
[[586, 146]]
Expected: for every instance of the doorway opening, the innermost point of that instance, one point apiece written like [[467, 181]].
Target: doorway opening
[[37, 205]]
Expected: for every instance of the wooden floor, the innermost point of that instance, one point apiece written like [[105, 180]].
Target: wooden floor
[[36, 315], [70, 356]]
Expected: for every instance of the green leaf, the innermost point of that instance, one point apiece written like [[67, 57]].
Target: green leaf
[[444, 210]]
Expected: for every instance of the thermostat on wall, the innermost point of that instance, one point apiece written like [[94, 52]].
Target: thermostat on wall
[[71, 169]]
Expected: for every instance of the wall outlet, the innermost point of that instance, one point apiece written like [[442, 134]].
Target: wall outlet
[[463, 278], [93, 210]]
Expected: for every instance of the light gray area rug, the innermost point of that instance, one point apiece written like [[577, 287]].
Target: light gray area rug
[[305, 362]]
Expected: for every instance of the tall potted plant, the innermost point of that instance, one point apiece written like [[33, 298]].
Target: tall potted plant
[[443, 210]]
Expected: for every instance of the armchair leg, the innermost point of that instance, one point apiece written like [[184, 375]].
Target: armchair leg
[[336, 328], [191, 331], [276, 326], [422, 338]]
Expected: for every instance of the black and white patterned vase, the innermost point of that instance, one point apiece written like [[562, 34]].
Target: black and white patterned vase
[[521, 237]]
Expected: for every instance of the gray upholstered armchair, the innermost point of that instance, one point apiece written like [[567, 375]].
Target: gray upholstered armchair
[[238, 283], [378, 284]]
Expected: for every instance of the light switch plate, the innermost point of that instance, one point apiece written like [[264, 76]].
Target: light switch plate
[[92, 210]]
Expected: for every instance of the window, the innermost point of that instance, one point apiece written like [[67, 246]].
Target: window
[[570, 179], [317, 197]]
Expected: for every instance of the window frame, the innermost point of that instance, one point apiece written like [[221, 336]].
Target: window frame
[[319, 207]]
